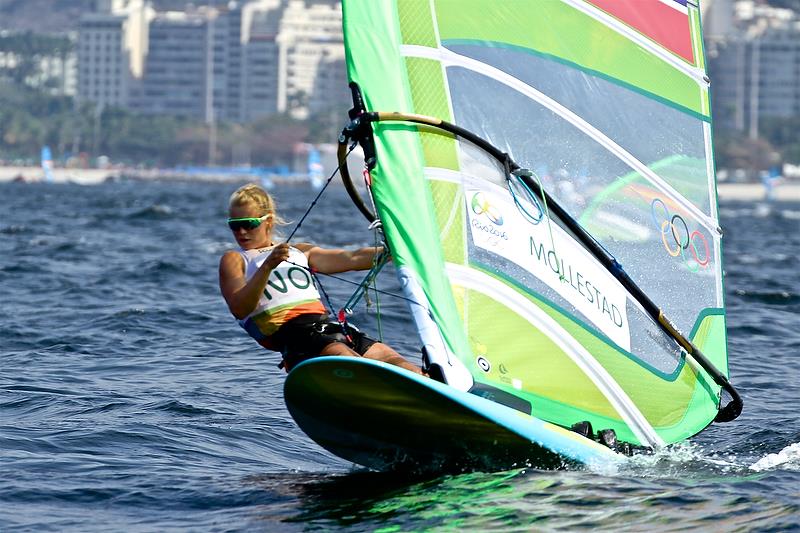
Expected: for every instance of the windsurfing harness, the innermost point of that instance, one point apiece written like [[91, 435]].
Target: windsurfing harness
[[289, 293], [306, 336]]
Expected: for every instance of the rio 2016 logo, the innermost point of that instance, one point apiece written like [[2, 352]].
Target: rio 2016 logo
[[481, 206], [692, 247]]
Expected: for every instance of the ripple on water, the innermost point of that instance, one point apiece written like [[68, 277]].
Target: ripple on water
[[129, 399], [152, 212]]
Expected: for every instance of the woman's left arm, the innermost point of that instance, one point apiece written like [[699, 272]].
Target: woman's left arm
[[332, 261]]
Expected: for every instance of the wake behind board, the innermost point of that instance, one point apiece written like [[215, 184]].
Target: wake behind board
[[386, 418]]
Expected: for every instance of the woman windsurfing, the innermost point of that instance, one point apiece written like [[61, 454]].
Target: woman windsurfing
[[269, 288]]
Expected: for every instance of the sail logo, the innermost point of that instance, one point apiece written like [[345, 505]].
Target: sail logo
[[677, 239], [487, 220], [556, 261], [481, 206]]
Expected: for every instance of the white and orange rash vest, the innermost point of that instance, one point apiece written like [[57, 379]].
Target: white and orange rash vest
[[289, 293]]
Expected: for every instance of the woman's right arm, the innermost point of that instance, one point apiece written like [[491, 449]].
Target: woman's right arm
[[242, 294]]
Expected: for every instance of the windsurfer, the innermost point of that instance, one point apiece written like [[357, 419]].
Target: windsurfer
[[269, 289]]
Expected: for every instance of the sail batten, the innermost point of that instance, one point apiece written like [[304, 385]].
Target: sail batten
[[669, 56], [452, 59], [574, 350]]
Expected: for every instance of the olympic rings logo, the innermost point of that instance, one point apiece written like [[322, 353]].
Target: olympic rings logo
[[682, 240], [481, 206]]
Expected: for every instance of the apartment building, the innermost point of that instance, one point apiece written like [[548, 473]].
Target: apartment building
[[261, 22], [754, 65], [103, 62], [112, 45], [311, 47], [175, 70], [237, 62], [293, 58]]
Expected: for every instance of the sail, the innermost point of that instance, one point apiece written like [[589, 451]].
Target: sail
[[608, 103]]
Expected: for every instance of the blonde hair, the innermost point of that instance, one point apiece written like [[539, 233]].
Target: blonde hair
[[252, 194]]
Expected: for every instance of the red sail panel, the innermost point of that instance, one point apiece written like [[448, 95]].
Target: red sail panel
[[664, 21]]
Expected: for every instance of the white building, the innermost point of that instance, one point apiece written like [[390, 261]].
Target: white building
[[311, 71], [260, 26], [237, 62], [174, 77]]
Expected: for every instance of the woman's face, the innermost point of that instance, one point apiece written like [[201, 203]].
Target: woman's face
[[249, 239]]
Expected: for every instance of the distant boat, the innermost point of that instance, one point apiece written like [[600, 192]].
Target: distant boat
[[266, 182], [315, 169], [47, 164], [770, 179]]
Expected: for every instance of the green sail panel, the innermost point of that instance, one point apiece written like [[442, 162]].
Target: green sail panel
[[503, 291], [567, 34]]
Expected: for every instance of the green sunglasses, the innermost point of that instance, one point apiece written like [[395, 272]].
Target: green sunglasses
[[246, 223]]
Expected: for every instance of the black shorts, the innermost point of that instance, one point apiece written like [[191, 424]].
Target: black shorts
[[307, 335]]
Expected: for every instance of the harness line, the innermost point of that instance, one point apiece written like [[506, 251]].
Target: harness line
[[378, 261]]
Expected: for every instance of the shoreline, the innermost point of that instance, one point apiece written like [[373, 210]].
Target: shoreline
[[788, 191], [743, 192]]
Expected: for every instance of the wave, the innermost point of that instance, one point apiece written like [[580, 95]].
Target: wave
[[15, 229], [769, 297], [154, 211], [182, 408]]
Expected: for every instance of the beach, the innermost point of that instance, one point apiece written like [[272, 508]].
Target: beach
[[786, 191]]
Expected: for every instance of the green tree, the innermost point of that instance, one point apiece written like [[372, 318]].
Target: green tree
[[273, 139], [28, 50], [784, 135]]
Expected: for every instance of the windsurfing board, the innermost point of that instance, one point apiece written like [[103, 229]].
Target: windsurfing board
[[386, 418]]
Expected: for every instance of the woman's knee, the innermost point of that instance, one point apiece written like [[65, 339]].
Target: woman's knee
[[338, 348], [381, 352]]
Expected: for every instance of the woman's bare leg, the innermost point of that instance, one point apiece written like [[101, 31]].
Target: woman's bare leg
[[338, 348], [378, 351], [382, 352]]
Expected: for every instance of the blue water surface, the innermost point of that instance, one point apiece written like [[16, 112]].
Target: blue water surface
[[130, 400]]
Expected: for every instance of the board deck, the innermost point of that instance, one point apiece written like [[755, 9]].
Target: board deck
[[386, 418]]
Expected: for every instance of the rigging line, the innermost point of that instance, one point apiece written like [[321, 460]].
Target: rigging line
[[529, 196], [519, 173], [375, 285], [342, 161], [426, 309], [379, 261], [724, 414], [368, 184], [345, 280], [341, 317], [380, 291], [550, 228]]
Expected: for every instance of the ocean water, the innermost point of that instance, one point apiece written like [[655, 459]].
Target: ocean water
[[130, 400]]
